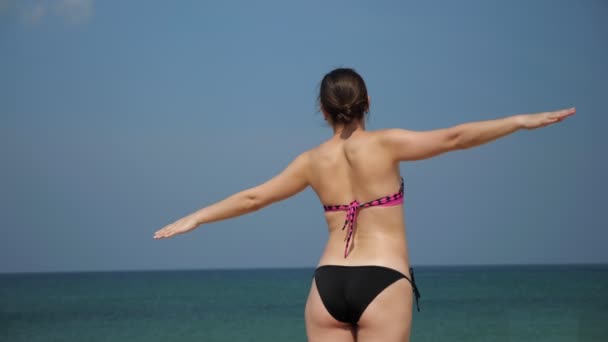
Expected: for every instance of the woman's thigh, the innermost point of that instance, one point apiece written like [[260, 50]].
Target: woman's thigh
[[320, 325], [388, 317]]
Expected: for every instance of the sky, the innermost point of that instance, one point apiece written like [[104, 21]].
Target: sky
[[119, 117]]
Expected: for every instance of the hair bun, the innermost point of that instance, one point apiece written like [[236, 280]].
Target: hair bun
[[345, 116], [346, 113]]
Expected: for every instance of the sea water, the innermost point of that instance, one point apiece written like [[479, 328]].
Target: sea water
[[480, 303]]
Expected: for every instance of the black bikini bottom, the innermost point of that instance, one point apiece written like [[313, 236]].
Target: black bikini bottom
[[347, 290]]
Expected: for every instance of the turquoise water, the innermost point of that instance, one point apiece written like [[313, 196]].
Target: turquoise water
[[514, 303]]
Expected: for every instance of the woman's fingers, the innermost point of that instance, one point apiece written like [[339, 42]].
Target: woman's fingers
[[562, 114], [537, 120], [165, 232], [181, 226]]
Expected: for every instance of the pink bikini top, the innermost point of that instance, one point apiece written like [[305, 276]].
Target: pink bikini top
[[351, 209]]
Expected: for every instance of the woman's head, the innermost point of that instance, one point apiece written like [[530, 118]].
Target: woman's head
[[343, 96]]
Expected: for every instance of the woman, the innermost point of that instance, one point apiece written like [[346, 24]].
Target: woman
[[363, 287]]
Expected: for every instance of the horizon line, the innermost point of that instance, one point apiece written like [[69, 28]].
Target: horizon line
[[302, 267]]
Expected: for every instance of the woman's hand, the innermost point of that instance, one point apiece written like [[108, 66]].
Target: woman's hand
[[183, 225], [532, 121]]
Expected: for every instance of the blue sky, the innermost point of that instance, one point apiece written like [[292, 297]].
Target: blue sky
[[118, 118]]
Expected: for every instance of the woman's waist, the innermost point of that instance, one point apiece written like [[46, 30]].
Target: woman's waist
[[365, 252], [372, 240]]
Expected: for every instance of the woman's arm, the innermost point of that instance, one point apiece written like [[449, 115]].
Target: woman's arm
[[415, 145], [289, 182]]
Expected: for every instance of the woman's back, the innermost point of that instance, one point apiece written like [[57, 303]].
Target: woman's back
[[354, 165]]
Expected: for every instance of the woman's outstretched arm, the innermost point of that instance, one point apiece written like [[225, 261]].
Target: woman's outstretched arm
[[289, 182], [416, 145]]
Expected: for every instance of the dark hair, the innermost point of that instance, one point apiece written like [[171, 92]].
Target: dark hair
[[343, 95]]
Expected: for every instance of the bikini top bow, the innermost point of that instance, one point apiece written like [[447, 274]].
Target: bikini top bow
[[352, 207]]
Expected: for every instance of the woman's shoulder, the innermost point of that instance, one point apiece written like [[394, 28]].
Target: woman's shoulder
[[385, 136], [387, 132], [370, 136]]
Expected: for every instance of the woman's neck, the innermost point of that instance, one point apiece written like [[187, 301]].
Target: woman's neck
[[346, 130]]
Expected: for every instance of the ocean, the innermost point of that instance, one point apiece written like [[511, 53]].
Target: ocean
[[466, 303]]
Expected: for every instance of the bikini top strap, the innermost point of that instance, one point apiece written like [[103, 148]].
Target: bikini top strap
[[383, 200], [387, 199]]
